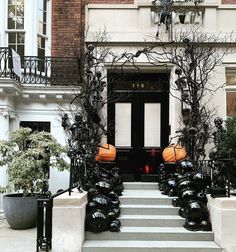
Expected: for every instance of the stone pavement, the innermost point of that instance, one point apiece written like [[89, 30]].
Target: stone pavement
[[16, 240]]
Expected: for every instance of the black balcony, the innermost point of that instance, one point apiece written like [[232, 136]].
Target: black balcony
[[59, 71]]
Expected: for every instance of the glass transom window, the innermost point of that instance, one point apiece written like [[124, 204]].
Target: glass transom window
[[231, 92]]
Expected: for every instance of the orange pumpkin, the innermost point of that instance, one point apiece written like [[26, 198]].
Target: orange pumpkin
[[106, 152], [174, 153]]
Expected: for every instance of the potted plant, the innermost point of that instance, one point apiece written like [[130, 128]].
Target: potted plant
[[27, 156]]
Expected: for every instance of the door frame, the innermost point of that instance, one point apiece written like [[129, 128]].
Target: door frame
[[137, 96]]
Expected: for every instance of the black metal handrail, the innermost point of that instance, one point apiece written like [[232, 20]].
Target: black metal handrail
[[44, 221], [45, 203], [47, 70]]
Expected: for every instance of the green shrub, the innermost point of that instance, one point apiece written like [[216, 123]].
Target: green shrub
[[26, 155], [226, 148]]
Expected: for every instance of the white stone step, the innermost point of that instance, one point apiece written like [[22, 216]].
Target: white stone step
[[149, 223], [140, 186], [148, 197], [148, 209], [149, 246], [151, 220], [152, 234]]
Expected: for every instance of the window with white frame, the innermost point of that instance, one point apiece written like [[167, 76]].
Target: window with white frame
[[42, 17], [42, 32], [42, 26], [15, 26], [231, 92]]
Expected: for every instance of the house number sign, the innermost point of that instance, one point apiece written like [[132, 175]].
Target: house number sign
[[138, 85]]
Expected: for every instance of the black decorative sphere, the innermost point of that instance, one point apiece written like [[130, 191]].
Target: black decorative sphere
[[194, 210], [90, 47], [103, 187], [175, 202], [182, 212], [113, 196], [102, 201], [185, 196], [192, 131], [92, 192], [191, 225], [111, 215], [205, 225], [115, 226], [178, 71], [96, 221]]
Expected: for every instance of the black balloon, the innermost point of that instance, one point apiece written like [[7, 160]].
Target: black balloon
[[92, 192], [102, 201], [115, 226], [103, 187], [194, 210], [175, 202], [191, 225], [205, 225], [111, 215], [96, 221]]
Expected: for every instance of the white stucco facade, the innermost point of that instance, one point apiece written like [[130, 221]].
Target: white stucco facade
[[130, 27]]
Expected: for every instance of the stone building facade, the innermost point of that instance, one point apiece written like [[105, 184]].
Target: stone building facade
[[59, 29]]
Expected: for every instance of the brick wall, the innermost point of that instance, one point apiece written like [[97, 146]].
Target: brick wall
[[228, 1], [67, 27], [112, 1], [68, 17]]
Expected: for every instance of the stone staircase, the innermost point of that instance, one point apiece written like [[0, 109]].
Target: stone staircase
[[149, 223]]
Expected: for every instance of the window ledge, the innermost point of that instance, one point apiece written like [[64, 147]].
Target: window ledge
[[15, 30]]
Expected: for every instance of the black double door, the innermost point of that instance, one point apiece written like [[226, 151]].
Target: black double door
[[138, 123]]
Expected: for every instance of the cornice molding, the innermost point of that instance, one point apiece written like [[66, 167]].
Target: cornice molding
[[11, 88]]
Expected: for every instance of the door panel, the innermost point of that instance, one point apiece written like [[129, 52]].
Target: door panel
[[152, 124], [123, 124]]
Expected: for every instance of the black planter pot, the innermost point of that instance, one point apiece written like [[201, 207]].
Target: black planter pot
[[20, 211]]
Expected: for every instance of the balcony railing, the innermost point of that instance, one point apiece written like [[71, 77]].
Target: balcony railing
[[47, 71]]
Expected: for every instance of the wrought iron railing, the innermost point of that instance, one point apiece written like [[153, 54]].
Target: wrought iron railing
[[5, 63], [219, 171], [47, 71]]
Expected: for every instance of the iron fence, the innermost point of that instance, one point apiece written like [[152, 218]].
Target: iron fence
[[47, 70], [219, 171]]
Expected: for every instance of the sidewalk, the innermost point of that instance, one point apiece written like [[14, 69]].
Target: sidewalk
[[16, 240]]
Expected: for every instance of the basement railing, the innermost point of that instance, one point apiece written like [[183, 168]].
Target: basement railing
[[59, 71], [219, 171]]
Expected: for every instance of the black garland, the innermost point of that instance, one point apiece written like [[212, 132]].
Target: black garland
[[101, 180]]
